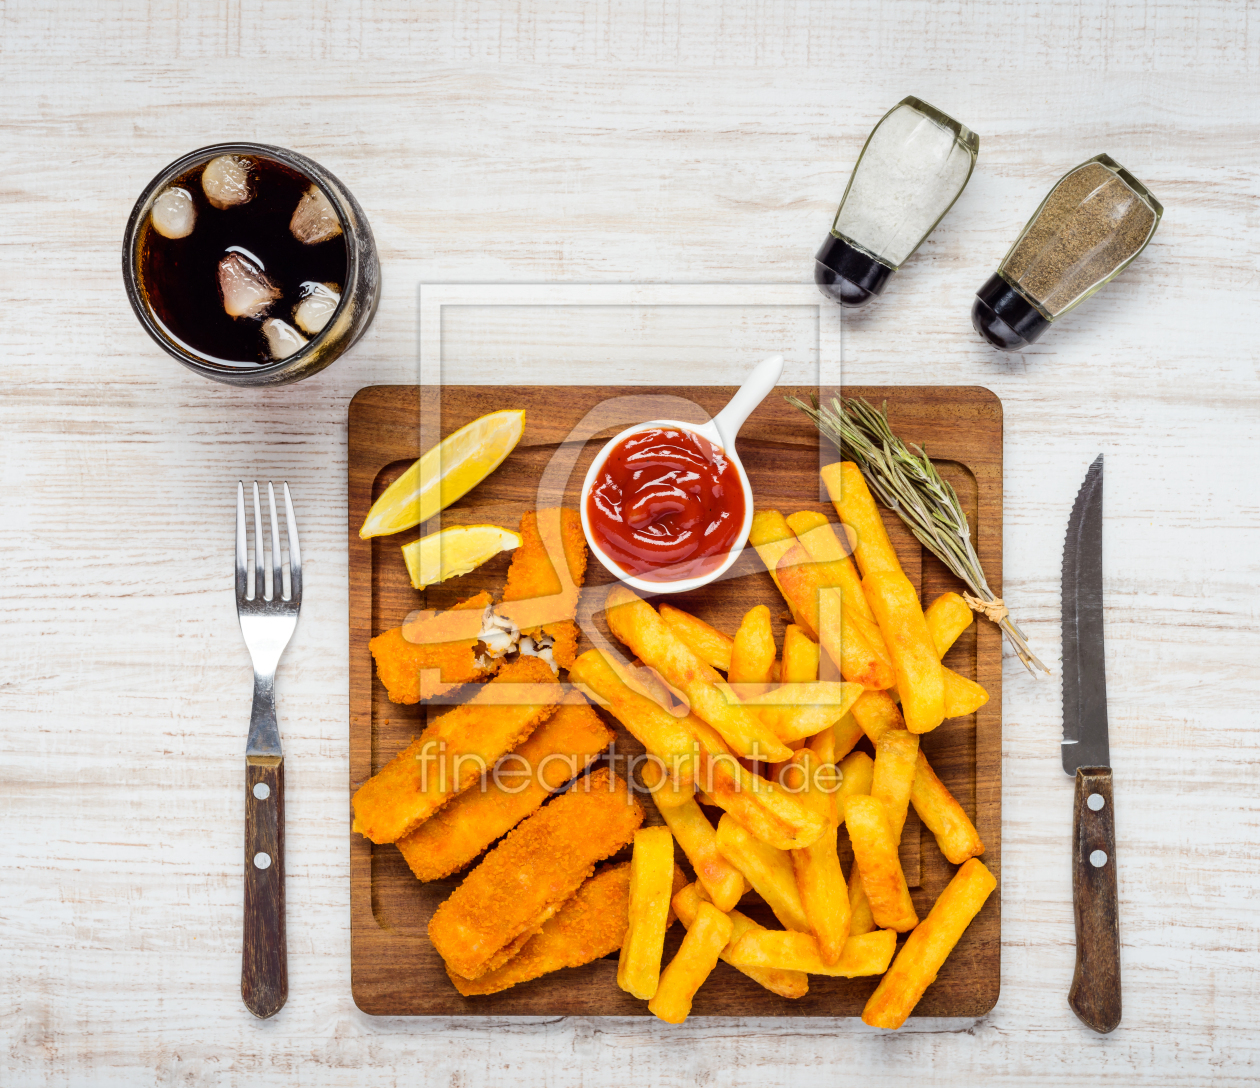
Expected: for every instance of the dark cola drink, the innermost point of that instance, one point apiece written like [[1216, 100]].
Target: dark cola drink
[[243, 260]]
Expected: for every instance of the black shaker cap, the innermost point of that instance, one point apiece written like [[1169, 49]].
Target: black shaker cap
[[847, 275], [1004, 317]]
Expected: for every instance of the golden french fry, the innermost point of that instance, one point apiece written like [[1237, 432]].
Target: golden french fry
[[771, 537], [819, 879], [962, 696], [947, 617], [895, 757], [800, 656], [752, 656], [651, 889], [860, 918], [636, 623], [707, 643], [812, 590], [927, 948], [875, 851], [955, 834], [664, 736], [707, 937], [768, 870], [852, 499], [863, 954], [847, 733], [823, 745], [876, 713], [698, 840], [918, 669], [857, 770], [784, 983], [798, 711]]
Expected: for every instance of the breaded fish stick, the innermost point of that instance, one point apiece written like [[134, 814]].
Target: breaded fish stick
[[413, 671], [560, 748], [456, 750], [529, 876], [532, 577]]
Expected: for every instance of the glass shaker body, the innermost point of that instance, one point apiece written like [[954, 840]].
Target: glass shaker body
[[1091, 225], [914, 165]]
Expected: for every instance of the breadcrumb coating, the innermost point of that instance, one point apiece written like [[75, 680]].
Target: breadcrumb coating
[[413, 672]]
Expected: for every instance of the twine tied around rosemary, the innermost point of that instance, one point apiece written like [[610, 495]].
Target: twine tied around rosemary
[[908, 484]]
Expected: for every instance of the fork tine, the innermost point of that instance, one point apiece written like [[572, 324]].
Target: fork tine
[[277, 576], [242, 574], [295, 553], [260, 581]]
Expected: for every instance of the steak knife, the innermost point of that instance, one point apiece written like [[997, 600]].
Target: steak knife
[[1095, 993]]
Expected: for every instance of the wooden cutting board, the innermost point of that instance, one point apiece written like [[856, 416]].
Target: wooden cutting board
[[394, 968]]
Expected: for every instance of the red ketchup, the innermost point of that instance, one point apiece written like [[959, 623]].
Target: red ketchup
[[667, 505]]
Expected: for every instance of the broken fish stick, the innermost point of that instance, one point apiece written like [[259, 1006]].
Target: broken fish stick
[[928, 947], [527, 878], [553, 594], [896, 756], [558, 750], [942, 815], [875, 852], [872, 550], [413, 672], [651, 889], [819, 879], [698, 840], [860, 918], [918, 669], [784, 983], [707, 936], [707, 643], [947, 617], [637, 624], [863, 954], [753, 651], [455, 750], [800, 656], [768, 870]]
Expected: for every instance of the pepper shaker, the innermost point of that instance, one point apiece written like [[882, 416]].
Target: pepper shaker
[[914, 164], [1091, 225]]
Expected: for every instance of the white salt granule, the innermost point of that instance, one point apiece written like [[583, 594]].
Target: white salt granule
[[282, 338], [225, 181], [319, 300], [247, 292], [314, 219], [173, 213]]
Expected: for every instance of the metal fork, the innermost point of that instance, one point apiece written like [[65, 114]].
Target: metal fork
[[268, 619]]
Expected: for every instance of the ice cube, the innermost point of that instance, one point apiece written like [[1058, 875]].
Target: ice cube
[[173, 213], [314, 219], [247, 292], [282, 338], [226, 181], [319, 300]]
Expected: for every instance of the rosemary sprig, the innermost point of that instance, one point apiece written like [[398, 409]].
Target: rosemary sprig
[[909, 485]]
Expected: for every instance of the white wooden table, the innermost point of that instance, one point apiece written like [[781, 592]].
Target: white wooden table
[[605, 142]]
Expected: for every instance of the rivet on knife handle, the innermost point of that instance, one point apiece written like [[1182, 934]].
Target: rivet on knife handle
[[1095, 993]]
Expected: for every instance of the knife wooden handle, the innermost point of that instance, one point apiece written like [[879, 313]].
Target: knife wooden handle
[[264, 959], [1095, 993]]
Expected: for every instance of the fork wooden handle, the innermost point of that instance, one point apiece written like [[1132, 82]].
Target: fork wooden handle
[[1095, 993], [264, 959]]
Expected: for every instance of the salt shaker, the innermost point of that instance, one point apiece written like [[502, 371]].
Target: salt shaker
[[914, 164], [1091, 225]]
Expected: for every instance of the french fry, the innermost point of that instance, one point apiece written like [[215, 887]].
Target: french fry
[[798, 711], [860, 918], [636, 623], [872, 550], [823, 745], [784, 983], [927, 948], [812, 591], [800, 656], [918, 669], [955, 834], [819, 879], [962, 696], [896, 755], [698, 840], [771, 537], [858, 771], [752, 655], [876, 713], [664, 736], [651, 889], [875, 850], [947, 617], [706, 939], [707, 643], [847, 733], [863, 954], [768, 870]]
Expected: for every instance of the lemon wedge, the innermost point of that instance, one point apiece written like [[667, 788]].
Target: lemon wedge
[[455, 551], [447, 472]]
